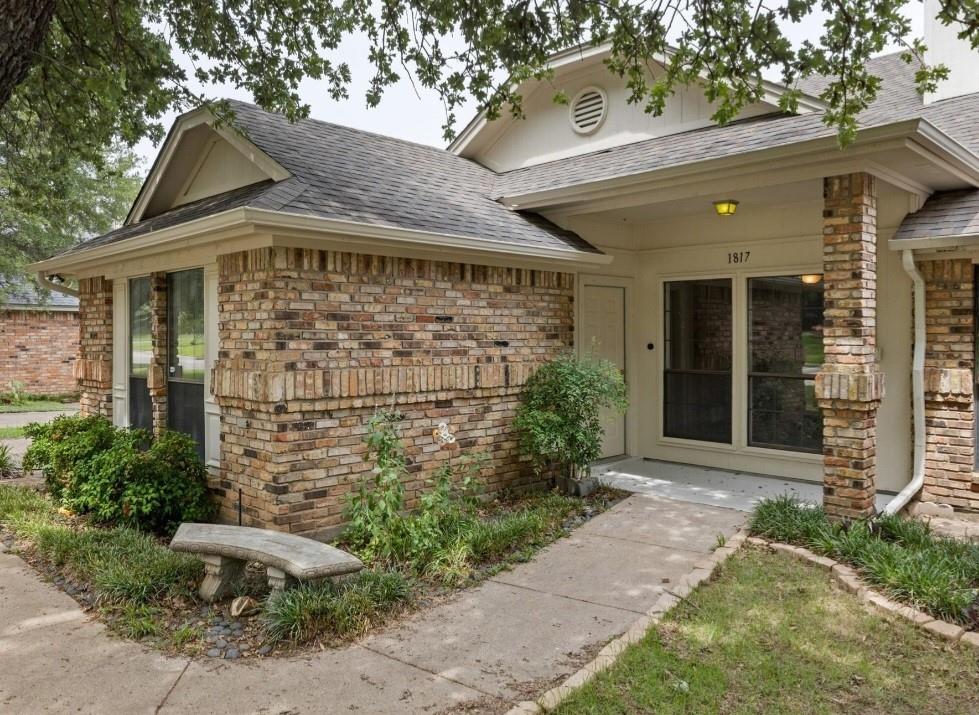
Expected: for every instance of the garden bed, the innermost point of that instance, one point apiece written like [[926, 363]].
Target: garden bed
[[143, 591], [898, 556]]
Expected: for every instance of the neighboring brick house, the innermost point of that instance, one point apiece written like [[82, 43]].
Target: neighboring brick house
[[276, 283], [38, 340]]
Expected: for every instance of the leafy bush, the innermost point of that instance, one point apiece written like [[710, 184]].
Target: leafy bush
[[899, 555], [338, 610], [57, 447], [121, 476], [559, 417]]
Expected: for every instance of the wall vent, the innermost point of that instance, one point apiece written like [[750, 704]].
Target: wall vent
[[588, 110]]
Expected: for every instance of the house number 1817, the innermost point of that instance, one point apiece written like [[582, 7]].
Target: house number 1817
[[738, 257]]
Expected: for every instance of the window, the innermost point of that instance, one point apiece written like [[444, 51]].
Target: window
[[186, 325], [140, 353], [697, 379], [785, 343]]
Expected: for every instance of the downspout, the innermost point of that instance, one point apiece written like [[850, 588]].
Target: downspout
[[917, 388], [59, 287]]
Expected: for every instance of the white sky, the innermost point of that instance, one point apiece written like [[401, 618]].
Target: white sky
[[403, 113]]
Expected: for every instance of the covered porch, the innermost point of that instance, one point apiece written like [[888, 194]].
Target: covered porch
[[757, 342]]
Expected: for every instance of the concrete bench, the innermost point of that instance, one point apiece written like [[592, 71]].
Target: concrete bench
[[226, 549]]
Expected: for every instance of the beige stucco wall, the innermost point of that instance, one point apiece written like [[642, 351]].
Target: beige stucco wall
[[783, 240]]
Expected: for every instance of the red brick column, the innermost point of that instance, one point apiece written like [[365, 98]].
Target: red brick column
[[157, 381], [93, 369], [850, 387], [949, 363]]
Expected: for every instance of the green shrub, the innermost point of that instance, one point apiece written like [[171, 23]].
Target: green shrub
[[338, 610], [153, 489], [121, 476], [57, 447], [899, 555], [559, 418]]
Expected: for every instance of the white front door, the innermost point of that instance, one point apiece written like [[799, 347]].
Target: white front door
[[603, 334]]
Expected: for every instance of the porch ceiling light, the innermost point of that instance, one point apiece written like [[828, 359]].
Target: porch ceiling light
[[726, 207], [812, 278]]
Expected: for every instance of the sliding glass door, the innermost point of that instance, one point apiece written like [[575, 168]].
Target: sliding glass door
[[186, 356], [785, 351], [697, 380], [140, 354]]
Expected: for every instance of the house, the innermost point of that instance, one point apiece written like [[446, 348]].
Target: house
[[275, 283], [38, 340]]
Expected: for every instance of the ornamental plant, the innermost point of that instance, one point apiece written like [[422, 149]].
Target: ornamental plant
[[559, 421]]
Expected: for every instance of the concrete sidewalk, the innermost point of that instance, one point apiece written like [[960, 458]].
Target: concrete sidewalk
[[506, 640]]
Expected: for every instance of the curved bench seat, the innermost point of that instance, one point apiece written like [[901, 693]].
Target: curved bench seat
[[225, 550]]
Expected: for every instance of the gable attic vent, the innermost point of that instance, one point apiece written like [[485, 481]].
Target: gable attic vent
[[588, 110]]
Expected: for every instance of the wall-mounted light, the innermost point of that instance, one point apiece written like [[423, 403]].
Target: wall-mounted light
[[726, 207], [812, 278]]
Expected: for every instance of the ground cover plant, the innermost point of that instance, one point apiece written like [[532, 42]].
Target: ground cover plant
[[772, 635], [11, 432], [900, 556]]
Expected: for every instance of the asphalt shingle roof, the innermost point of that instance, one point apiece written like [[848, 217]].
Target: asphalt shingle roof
[[343, 173], [899, 100], [947, 214], [23, 294]]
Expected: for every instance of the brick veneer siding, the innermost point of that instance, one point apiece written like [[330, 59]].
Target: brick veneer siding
[[38, 348], [93, 369], [850, 386], [949, 363], [312, 342]]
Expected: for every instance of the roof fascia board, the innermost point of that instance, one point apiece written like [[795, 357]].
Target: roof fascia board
[[941, 149], [242, 221], [943, 244], [276, 220], [693, 171], [183, 124]]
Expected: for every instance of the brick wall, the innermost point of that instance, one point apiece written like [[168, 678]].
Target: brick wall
[[38, 348], [312, 342], [93, 369], [949, 364]]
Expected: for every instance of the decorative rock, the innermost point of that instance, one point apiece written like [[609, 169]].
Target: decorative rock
[[232, 654], [221, 643], [948, 631], [243, 606], [265, 650], [214, 653], [970, 638]]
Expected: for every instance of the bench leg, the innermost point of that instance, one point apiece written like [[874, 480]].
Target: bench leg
[[279, 580], [220, 575]]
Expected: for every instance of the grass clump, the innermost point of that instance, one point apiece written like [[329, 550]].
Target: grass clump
[[11, 432], [771, 635], [900, 556], [335, 610], [123, 566]]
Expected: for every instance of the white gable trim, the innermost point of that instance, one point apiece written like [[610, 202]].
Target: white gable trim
[[263, 161]]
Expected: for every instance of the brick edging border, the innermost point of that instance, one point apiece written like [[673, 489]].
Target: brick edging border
[[702, 571], [848, 578], [843, 574]]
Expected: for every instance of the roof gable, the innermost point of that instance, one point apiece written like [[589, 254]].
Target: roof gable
[[200, 159]]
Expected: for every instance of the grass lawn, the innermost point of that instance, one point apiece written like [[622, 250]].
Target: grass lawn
[[772, 635], [11, 432], [35, 406]]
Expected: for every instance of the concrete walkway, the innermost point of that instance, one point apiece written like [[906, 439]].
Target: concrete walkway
[[506, 640]]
